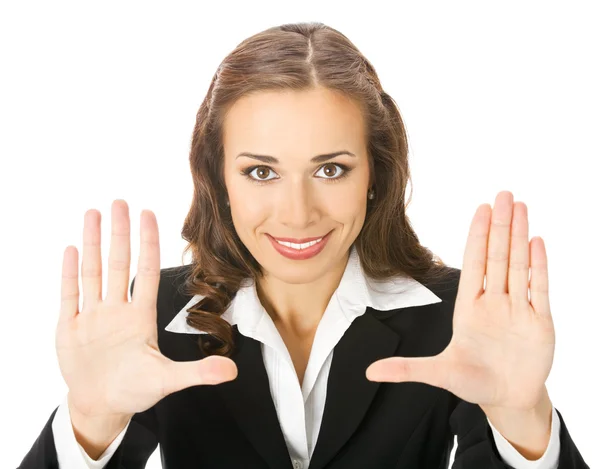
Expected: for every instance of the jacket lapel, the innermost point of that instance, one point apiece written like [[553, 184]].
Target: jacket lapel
[[349, 392], [249, 400]]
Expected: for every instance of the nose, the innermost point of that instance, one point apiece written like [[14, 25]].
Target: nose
[[296, 206]]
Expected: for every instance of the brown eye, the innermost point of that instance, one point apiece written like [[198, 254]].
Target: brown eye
[[262, 173], [330, 170]]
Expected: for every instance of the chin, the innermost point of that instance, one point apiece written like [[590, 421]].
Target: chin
[[296, 275]]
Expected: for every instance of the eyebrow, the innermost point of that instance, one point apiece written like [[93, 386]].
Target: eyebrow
[[314, 159]]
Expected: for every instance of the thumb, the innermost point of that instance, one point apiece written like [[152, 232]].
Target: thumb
[[214, 369], [434, 371]]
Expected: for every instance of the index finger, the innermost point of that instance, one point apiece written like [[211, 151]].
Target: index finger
[[472, 274], [148, 269], [69, 287]]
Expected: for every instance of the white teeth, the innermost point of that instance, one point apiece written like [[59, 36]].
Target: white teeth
[[299, 246]]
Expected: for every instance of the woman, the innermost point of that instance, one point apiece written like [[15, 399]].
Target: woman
[[331, 337]]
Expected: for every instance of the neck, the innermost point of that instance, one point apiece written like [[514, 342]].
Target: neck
[[298, 308]]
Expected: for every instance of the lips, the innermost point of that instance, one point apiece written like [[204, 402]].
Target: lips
[[299, 254], [298, 240]]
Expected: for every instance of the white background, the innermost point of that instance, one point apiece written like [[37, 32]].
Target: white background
[[98, 102]]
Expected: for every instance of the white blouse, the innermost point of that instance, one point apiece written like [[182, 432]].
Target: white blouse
[[300, 408]]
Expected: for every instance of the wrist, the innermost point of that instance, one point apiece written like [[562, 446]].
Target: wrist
[[528, 431], [96, 433]]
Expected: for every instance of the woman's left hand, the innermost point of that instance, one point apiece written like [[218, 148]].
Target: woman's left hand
[[502, 346]]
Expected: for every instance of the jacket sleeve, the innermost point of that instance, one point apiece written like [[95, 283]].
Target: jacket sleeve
[[477, 447], [139, 442]]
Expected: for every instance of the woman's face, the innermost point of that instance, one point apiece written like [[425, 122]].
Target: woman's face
[[287, 195]]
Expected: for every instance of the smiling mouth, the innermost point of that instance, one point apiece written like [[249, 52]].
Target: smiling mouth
[[299, 246]]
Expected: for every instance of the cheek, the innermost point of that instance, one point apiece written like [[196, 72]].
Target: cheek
[[346, 205], [247, 212]]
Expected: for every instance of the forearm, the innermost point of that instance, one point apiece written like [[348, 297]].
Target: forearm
[[528, 432]]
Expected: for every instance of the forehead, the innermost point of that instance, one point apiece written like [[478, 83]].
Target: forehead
[[311, 121]]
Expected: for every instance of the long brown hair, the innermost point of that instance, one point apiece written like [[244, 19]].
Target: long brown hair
[[297, 56]]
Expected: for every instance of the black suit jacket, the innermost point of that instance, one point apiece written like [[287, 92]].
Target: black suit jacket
[[365, 424]]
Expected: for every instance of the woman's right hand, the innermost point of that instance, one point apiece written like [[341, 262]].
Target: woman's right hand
[[108, 352]]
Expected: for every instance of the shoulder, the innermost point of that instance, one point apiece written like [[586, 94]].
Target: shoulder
[[426, 330], [446, 287]]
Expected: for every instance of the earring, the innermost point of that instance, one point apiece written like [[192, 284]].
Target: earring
[[227, 202], [371, 194]]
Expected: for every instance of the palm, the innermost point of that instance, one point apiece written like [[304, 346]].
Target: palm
[[502, 346], [499, 354]]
